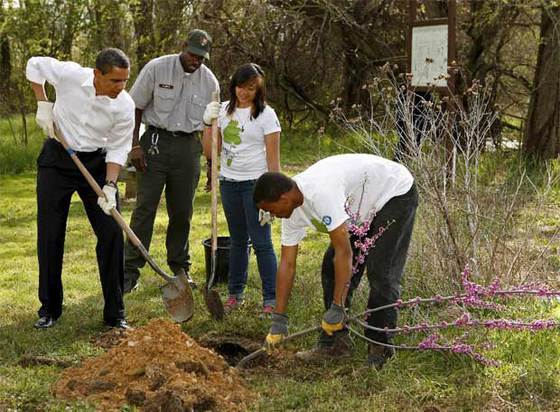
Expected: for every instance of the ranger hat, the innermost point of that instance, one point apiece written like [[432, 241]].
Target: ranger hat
[[199, 43]]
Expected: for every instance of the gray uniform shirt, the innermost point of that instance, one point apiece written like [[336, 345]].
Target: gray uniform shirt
[[170, 98]]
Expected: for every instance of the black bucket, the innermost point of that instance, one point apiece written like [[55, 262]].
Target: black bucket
[[222, 259]]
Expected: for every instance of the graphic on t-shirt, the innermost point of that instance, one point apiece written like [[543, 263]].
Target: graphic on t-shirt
[[320, 226], [232, 133]]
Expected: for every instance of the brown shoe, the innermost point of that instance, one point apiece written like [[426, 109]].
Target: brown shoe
[[341, 348], [378, 355]]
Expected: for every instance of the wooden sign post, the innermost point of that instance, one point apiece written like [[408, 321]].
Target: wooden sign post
[[431, 50]]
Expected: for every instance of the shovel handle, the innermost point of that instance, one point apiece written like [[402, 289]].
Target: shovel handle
[[214, 194], [114, 212], [243, 362]]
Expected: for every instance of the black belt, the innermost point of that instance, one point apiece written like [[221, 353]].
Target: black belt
[[174, 133]]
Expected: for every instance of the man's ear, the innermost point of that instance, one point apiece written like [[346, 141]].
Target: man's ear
[[97, 72], [285, 197]]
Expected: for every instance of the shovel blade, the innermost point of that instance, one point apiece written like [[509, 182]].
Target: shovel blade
[[178, 300], [213, 303]]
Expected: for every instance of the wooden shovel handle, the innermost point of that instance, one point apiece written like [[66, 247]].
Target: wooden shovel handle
[[214, 194], [114, 212]]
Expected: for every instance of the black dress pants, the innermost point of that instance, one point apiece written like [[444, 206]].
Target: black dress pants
[[385, 265], [57, 179]]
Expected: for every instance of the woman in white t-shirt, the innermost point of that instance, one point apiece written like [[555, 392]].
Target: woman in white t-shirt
[[249, 143]]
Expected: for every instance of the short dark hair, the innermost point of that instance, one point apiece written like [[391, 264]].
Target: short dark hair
[[270, 186], [243, 75], [111, 57]]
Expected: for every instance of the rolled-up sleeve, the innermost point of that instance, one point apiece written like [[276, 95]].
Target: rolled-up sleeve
[[41, 69], [142, 90], [121, 137]]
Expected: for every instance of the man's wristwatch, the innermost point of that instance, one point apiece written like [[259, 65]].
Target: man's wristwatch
[[110, 183]]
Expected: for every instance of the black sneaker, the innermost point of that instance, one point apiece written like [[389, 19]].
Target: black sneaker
[[45, 322], [130, 286], [378, 355], [186, 276], [117, 324]]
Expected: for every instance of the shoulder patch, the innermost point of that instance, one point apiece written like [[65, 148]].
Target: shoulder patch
[[327, 220]]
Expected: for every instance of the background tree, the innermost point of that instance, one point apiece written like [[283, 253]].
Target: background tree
[[314, 52], [542, 135]]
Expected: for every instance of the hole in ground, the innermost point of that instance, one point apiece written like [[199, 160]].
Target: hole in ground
[[231, 348]]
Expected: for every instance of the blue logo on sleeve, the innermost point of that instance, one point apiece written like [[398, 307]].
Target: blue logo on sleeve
[[327, 220]]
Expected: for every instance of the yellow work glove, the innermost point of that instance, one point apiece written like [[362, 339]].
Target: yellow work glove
[[278, 331], [333, 319]]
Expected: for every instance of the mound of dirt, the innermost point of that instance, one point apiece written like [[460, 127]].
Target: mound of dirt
[[156, 368]]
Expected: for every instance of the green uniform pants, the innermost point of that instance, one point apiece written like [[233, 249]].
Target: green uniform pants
[[174, 165]]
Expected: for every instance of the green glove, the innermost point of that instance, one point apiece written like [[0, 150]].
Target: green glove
[[333, 319], [278, 331]]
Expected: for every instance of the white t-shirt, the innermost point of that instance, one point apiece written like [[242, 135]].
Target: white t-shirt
[[243, 142], [359, 184]]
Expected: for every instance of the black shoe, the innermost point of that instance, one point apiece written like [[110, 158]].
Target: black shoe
[[182, 273], [117, 323], [130, 286], [378, 355], [45, 322]]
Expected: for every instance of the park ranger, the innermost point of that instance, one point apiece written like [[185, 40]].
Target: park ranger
[[96, 116], [170, 93]]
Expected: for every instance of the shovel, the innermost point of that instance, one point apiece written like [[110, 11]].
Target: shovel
[[176, 293], [211, 296]]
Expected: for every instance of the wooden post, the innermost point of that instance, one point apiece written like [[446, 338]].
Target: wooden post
[[450, 90]]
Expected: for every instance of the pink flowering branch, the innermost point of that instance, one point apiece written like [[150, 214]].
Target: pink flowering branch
[[475, 296], [358, 228]]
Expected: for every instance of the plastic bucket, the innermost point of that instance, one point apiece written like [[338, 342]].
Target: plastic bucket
[[222, 259]]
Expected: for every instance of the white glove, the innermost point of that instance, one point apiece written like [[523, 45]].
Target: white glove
[[211, 112], [265, 217], [45, 118], [111, 202]]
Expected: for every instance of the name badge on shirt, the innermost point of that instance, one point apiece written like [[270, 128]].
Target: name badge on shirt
[[165, 86]]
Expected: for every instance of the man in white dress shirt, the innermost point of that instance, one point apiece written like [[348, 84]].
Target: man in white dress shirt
[[96, 117]]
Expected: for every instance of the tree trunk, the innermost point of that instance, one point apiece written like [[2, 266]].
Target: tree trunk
[[542, 133], [5, 65], [143, 31], [69, 32]]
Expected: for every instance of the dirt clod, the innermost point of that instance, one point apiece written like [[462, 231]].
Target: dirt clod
[[165, 401], [135, 397], [193, 366], [163, 370], [100, 386], [32, 360]]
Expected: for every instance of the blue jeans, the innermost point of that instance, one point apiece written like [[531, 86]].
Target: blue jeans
[[243, 222]]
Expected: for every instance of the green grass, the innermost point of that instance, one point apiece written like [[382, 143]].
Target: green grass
[[15, 155], [528, 379]]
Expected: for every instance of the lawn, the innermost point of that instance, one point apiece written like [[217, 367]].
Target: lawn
[[527, 380]]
